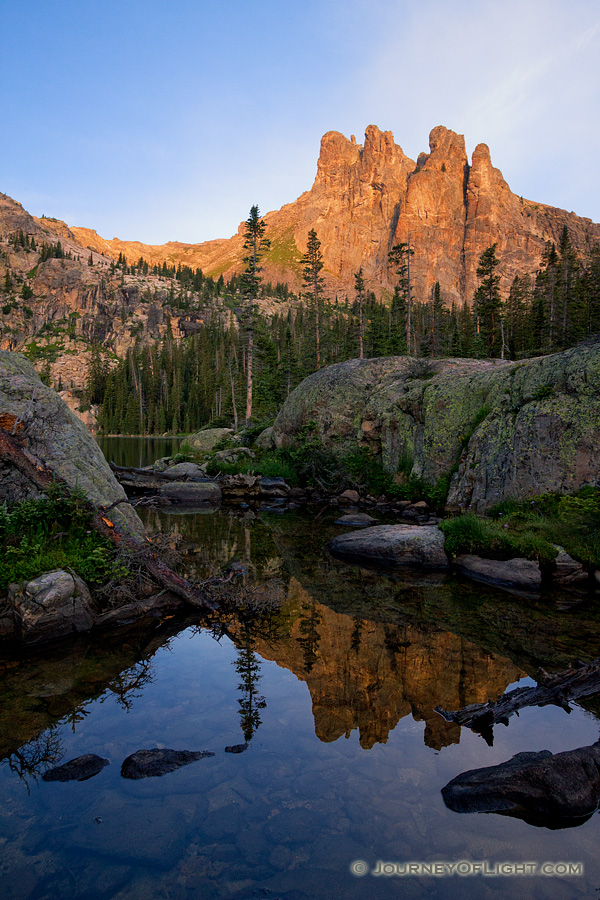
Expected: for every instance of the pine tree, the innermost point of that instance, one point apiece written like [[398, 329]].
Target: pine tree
[[312, 264], [399, 260], [255, 244], [487, 303], [359, 292]]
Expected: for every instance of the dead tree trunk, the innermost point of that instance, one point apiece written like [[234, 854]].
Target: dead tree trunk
[[574, 683]]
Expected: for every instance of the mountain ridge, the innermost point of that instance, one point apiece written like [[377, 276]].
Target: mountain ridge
[[368, 197]]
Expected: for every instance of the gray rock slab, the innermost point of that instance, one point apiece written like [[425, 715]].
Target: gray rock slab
[[191, 492], [393, 545], [185, 471], [514, 573], [55, 435]]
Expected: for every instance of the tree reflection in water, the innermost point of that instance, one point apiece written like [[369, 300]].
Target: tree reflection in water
[[31, 760], [309, 629], [247, 666], [129, 684]]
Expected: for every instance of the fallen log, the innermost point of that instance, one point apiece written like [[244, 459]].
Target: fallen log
[[14, 452], [575, 683]]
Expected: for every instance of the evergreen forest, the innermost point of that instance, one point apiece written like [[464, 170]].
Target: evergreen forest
[[239, 352]]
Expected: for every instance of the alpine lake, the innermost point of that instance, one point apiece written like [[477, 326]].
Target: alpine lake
[[331, 698]]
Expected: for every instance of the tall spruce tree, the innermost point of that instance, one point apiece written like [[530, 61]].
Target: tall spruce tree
[[359, 293], [312, 264], [401, 309], [255, 245], [487, 303]]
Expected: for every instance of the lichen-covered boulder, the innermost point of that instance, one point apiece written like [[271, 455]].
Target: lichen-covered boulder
[[52, 606], [205, 441], [495, 429], [54, 435], [266, 439]]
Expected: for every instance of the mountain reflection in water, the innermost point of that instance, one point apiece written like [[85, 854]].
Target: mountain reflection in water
[[333, 696]]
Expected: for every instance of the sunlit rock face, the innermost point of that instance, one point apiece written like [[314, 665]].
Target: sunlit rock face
[[367, 197]]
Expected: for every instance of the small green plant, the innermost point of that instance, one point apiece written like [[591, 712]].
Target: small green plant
[[50, 533], [543, 392]]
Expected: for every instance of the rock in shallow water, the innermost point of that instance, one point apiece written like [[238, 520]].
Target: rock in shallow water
[[79, 769], [553, 791], [191, 492], [151, 763], [358, 520], [393, 545], [516, 573]]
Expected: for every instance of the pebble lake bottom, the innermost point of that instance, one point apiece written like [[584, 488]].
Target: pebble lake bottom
[[338, 792]]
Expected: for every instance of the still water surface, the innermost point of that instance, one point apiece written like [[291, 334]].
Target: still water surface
[[346, 757]]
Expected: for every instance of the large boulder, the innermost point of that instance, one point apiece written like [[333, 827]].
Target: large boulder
[[53, 434], [52, 606], [206, 440], [496, 429], [555, 791], [393, 545]]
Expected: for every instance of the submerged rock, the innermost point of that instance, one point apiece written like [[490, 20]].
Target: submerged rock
[[79, 769], [52, 606], [393, 545], [514, 573], [553, 791], [152, 763], [357, 519]]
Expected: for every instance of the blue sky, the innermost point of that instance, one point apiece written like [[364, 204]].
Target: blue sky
[[159, 121]]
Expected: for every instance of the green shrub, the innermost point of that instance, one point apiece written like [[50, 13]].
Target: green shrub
[[50, 533], [486, 537], [572, 521]]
